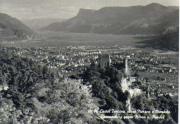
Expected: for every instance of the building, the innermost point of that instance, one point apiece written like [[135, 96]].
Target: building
[[126, 84], [104, 60], [126, 70]]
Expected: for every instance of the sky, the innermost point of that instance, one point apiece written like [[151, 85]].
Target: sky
[[34, 9]]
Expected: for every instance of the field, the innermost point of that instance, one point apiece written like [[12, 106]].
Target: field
[[60, 39]]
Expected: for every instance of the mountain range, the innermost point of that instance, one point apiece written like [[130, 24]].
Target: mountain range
[[39, 23], [13, 29], [150, 19], [163, 21]]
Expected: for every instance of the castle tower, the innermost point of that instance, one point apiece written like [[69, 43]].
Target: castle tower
[[104, 60], [127, 72]]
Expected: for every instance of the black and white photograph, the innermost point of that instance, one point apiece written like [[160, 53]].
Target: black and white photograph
[[89, 61]]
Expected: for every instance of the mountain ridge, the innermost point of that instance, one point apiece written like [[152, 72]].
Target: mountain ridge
[[12, 28], [114, 20]]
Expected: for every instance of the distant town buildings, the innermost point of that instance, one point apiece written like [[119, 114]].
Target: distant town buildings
[[152, 68]]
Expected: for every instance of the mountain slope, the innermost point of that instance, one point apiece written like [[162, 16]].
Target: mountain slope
[[11, 28], [115, 20], [164, 41], [39, 23], [165, 22]]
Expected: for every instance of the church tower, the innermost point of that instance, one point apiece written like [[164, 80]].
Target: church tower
[[127, 71]]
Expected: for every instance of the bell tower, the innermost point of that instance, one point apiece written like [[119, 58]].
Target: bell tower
[[127, 71]]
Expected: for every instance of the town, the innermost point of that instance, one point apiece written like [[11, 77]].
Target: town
[[157, 69], [127, 79]]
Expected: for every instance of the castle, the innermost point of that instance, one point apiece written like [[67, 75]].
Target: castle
[[104, 61], [126, 83]]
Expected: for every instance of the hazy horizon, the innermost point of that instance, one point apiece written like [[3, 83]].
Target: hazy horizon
[[36, 9]]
